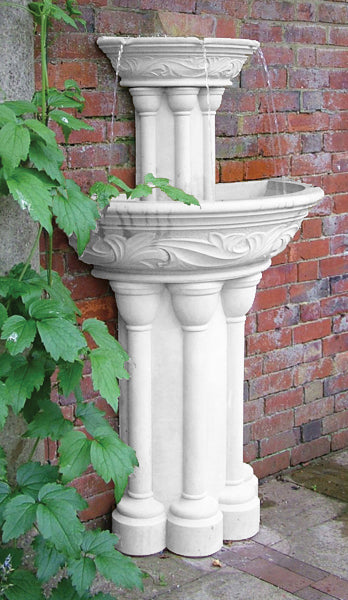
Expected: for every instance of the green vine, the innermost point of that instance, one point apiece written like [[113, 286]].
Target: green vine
[[42, 339]]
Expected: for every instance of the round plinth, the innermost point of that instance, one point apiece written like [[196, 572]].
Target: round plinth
[[140, 526]]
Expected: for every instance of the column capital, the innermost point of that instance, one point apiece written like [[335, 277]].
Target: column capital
[[238, 296], [194, 303], [137, 302], [210, 99], [181, 100], [146, 100]]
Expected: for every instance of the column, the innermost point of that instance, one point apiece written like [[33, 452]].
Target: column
[[147, 102], [194, 521], [239, 500], [181, 101], [139, 519], [209, 101]]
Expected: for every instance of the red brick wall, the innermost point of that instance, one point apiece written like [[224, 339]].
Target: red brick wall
[[297, 341]]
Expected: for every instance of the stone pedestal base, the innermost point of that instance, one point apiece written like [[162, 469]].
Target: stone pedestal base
[[140, 534]]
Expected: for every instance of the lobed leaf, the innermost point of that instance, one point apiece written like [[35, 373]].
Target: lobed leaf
[[47, 559], [14, 146], [31, 476], [32, 195], [69, 376], [45, 133], [68, 123], [104, 376], [103, 192], [93, 418], [23, 585], [7, 115], [20, 514], [61, 338], [66, 591], [76, 214], [48, 159], [82, 572], [21, 107], [23, 380], [48, 422], [19, 333], [113, 459], [74, 451]]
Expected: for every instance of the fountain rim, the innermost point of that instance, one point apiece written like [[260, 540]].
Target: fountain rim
[[303, 198], [178, 41]]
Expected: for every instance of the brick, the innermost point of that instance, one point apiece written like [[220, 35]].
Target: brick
[[333, 266], [333, 58], [231, 171], [236, 147], [341, 365], [311, 163], [313, 391], [283, 316], [225, 125], [267, 341], [173, 5], [330, 12], [337, 101], [80, 46], [97, 155], [335, 422], [86, 286], [237, 10], [336, 141], [253, 367], [306, 57], [85, 73], [312, 351], [309, 291], [335, 224], [336, 586], [339, 284], [98, 506], [250, 452], [311, 431], [309, 79], [238, 100], [271, 464], [340, 162], [311, 101], [335, 343], [312, 594], [308, 270], [278, 275], [269, 298], [305, 34], [250, 324], [253, 410], [283, 144], [266, 167], [341, 203], [310, 311], [255, 79], [311, 228], [263, 123], [276, 575], [181, 24], [226, 27], [294, 565], [308, 122], [339, 80], [100, 308], [262, 31], [338, 383], [339, 440], [340, 324], [283, 401], [272, 424], [85, 178], [273, 11], [311, 331], [91, 484], [270, 383], [125, 22], [313, 411], [308, 372], [310, 450], [307, 250], [282, 358], [279, 55], [338, 36], [278, 442]]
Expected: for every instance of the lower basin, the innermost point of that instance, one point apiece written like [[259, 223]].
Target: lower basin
[[247, 224]]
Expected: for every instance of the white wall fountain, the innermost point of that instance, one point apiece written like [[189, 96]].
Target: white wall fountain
[[184, 278]]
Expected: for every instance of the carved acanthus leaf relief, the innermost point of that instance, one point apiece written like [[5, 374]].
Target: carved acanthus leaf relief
[[150, 67], [146, 251]]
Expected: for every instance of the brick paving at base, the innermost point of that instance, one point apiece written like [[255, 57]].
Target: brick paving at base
[[289, 574]]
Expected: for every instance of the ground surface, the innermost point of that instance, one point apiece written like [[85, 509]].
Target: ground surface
[[301, 550]]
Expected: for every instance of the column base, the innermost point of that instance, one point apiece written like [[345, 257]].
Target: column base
[[140, 526], [189, 533], [240, 506]]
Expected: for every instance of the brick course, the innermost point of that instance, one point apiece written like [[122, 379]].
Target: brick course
[[297, 339]]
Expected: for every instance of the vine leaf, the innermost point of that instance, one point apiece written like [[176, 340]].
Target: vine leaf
[[67, 122], [76, 213], [21, 107], [21, 184], [7, 115], [113, 459], [82, 572], [5, 494], [32, 476], [5, 400], [111, 563], [104, 376], [3, 314], [45, 133], [48, 422], [102, 193], [14, 146], [3, 464], [20, 514], [48, 159], [74, 451], [22, 382], [19, 333], [66, 590], [69, 375], [57, 519], [61, 338], [23, 585], [47, 559], [92, 418]]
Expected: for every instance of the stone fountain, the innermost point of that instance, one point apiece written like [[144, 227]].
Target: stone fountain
[[184, 278]]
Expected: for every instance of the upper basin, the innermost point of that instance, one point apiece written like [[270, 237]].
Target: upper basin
[[177, 61], [168, 241]]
